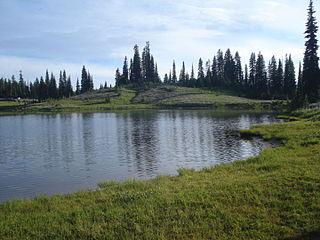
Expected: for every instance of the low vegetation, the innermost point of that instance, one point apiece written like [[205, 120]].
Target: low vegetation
[[123, 99], [273, 196]]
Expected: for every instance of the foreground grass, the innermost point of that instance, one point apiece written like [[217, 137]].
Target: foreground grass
[[273, 196]]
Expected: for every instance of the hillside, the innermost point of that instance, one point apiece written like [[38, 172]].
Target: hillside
[[155, 98]]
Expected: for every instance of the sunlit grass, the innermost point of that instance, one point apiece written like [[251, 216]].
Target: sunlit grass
[[273, 196]]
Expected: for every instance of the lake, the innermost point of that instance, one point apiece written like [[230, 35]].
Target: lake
[[63, 153]]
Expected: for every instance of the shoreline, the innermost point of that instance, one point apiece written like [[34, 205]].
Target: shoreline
[[279, 188]]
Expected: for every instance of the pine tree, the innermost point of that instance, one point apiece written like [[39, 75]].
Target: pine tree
[[130, 72], [200, 74], [192, 78], [125, 72], [47, 82], [246, 77], [69, 88], [238, 70], [65, 84], [118, 78], [261, 78], [220, 69], [78, 89], [300, 93], [214, 72], [42, 90], [280, 79], [52, 88], [273, 77], [252, 70], [174, 73], [182, 77], [90, 82], [61, 85], [208, 77], [229, 69], [136, 73], [147, 68], [84, 80], [289, 84], [22, 92], [156, 74], [166, 79], [311, 75]]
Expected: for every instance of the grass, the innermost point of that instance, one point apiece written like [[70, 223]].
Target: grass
[[273, 196], [8, 103], [155, 98]]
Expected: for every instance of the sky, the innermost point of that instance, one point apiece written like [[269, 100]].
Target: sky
[[57, 34]]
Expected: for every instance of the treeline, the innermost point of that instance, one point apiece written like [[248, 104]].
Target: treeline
[[142, 70], [276, 81], [258, 79], [45, 87]]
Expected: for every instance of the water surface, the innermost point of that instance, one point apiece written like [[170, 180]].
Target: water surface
[[63, 153]]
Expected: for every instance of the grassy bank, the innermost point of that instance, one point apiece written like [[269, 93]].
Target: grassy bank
[[273, 196], [157, 98]]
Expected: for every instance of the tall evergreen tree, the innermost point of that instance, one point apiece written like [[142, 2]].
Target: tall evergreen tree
[[261, 78], [280, 80], [61, 85], [52, 88], [22, 88], [70, 92], [136, 73], [208, 77], [47, 82], [78, 89], [311, 75], [238, 70], [125, 72], [229, 69], [84, 80], [273, 77], [246, 77], [200, 80], [289, 83], [118, 78], [192, 78], [252, 70], [166, 79], [42, 89], [220, 68], [147, 68], [170, 77], [300, 93], [182, 76], [214, 72], [174, 73]]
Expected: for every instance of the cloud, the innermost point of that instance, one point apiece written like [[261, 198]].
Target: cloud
[[34, 67], [40, 34]]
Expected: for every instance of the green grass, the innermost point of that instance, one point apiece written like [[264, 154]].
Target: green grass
[[273, 196], [8, 103], [155, 98], [121, 102]]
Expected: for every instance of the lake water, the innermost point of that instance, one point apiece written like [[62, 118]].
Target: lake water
[[63, 153]]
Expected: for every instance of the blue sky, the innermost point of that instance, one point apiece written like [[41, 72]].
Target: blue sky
[[65, 34]]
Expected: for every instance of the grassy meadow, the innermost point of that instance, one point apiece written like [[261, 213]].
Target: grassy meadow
[[155, 98], [273, 196]]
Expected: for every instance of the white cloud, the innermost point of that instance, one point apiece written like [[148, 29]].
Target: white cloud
[[100, 33], [34, 67]]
